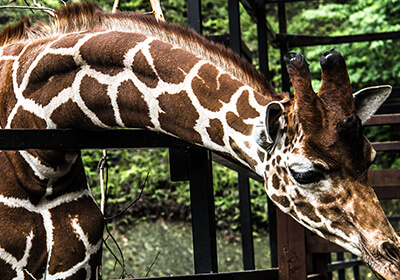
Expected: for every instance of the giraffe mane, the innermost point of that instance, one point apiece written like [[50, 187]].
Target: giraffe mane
[[14, 33], [88, 16]]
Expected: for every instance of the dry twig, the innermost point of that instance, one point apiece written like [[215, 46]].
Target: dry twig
[[37, 6], [115, 6], [151, 266], [157, 12]]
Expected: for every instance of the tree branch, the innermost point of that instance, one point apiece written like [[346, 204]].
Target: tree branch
[[157, 12]]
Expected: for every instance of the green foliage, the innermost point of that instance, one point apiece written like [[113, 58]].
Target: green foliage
[[162, 198], [368, 63]]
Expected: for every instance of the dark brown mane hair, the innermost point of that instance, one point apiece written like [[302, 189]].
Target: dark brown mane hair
[[14, 33], [88, 16]]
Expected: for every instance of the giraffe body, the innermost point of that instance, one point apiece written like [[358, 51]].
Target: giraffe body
[[91, 70]]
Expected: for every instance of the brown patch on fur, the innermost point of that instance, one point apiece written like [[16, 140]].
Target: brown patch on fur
[[28, 57], [133, 108], [48, 66], [7, 98], [101, 49], [110, 71], [90, 220], [245, 110], [282, 200], [69, 115], [179, 116], [68, 41], [172, 65], [28, 223], [241, 154], [261, 155], [216, 132], [237, 124], [54, 85], [144, 71], [26, 119], [276, 182], [213, 88], [95, 96], [307, 210], [13, 50]]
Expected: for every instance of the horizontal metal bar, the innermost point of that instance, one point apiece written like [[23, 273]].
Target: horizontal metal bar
[[383, 119], [271, 274], [394, 218], [69, 139], [234, 165], [386, 146], [313, 40], [344, 264]]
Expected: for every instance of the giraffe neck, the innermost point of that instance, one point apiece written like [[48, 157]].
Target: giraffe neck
[[85, 80]]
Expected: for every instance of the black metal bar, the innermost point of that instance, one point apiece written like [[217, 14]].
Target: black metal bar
[[246, 225], [203, 213], [194, 15], [234, 26], [262, 38], [356, 269], [70, 139], [178, 165], [312, 40], [341, 272], [270, 274], [234, 165], [394, 218], [273, 233], [284, 46]]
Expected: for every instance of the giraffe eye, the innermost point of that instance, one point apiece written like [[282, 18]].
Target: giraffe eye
[[307, 177]]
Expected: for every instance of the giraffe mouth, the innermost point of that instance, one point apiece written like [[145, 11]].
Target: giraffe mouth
[[384, 261]]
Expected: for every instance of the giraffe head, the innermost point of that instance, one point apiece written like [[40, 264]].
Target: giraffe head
[[318, 160]]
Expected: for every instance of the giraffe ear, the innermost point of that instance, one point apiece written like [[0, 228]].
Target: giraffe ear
[[368, 100], [267, 132]]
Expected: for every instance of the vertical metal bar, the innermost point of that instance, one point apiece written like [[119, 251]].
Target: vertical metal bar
[[341, 272], [234, 26], [245, 220], [273, 234], [178, 165], [262, 38], [203, 213], [283, 46], [194, 15], [356, 269]]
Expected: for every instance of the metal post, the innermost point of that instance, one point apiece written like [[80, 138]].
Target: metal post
[[273, 234], [194, 15], [234, 26], [283, 46], [203, 213], [246, 226], [262, 38]]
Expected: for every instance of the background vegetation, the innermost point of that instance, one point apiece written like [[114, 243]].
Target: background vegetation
[[369, 63]]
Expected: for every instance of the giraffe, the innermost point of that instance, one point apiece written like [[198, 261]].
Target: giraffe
[[92, 70]]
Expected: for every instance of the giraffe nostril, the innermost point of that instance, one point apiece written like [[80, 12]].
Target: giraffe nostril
[[391, 252]]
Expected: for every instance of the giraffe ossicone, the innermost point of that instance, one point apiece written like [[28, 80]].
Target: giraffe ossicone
[[93, 70]]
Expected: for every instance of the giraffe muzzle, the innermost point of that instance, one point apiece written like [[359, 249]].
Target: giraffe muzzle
[[385, 261], [391, 253]]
